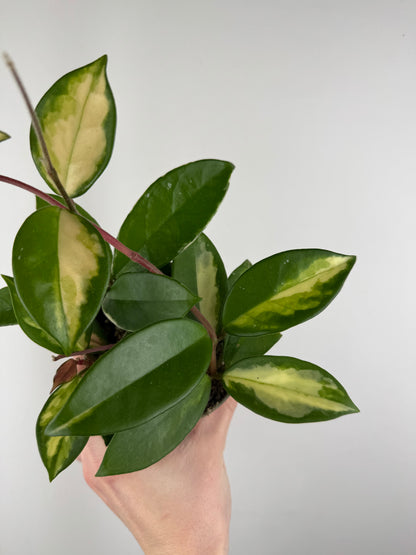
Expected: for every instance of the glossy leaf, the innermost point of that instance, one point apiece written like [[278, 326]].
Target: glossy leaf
[[57, 453], [238, 272], [28, 325], [7, 315], [201, 269], [284, 290], [4, 136], [287, 389], [40, 203], [141, 377], [238, 347], [132, 268], [78, 119], [61, 267], [144, 445], [138, 299], [173, 211]]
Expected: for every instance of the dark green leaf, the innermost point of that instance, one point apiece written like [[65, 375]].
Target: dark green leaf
[[238, 272], [287, 389], [7, 315], [61, 267], [138, 299], [144, 445], [201, 269], [78, 120], [57, 453], [4, 136], [284, 290], [142, 376], [132, 268], [238, 347], [173, 211]]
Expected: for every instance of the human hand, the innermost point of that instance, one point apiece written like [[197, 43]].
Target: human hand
[[180, 505]]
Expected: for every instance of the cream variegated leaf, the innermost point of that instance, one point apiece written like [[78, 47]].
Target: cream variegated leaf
[[77, 117], [57, 452], [201, 269], [61, 267], [284, 290], [287, 389]]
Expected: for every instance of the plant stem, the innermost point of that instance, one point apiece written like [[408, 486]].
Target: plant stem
[[98, 349], [133, 255], [44, 196], [49, 168]]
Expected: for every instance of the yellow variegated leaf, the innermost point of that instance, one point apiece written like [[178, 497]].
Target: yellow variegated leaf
[[287, 389], [4, 136], [78, 117], [284, 290], [201, 269], [57, 452], [61, 267]]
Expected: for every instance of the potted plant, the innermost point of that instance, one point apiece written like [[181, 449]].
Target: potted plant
[[154, 333]]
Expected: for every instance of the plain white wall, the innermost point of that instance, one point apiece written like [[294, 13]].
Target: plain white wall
[[314, 102]]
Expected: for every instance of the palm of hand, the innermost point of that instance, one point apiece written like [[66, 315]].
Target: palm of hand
[[179, 505]]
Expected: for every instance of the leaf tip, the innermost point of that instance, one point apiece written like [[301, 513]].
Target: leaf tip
[[4, 136]]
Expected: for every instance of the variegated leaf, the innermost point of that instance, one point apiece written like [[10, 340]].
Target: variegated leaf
[[33, 330], [287, 389], [57, 453], [144, 375], [61, 267], [78, 119], [4, 136], [28, 325], [284, 290], [144, 445], [201, 269]]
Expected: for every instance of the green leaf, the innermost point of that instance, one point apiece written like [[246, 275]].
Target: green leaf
[[144, 445], [4, 136], [144, 375], [28, 325], [138, 299], [132, 268], [78, 119], [7, 315], [173, 211], [287, 389], [201, 269], [284, 290], [57, 453], [40, 203], [61, 267], [238, 272], [238, 347]]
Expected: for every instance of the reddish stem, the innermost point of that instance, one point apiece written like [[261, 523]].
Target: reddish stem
[[133, 255], [86, 352]]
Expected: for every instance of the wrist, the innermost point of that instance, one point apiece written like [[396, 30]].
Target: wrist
[[193, 541]]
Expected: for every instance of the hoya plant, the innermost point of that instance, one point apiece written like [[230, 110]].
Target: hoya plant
[[154, 332]]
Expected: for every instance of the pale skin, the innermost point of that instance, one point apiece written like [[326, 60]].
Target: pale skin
[[182, 504]]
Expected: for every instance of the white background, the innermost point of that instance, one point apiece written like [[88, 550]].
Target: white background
[[314, 102]]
